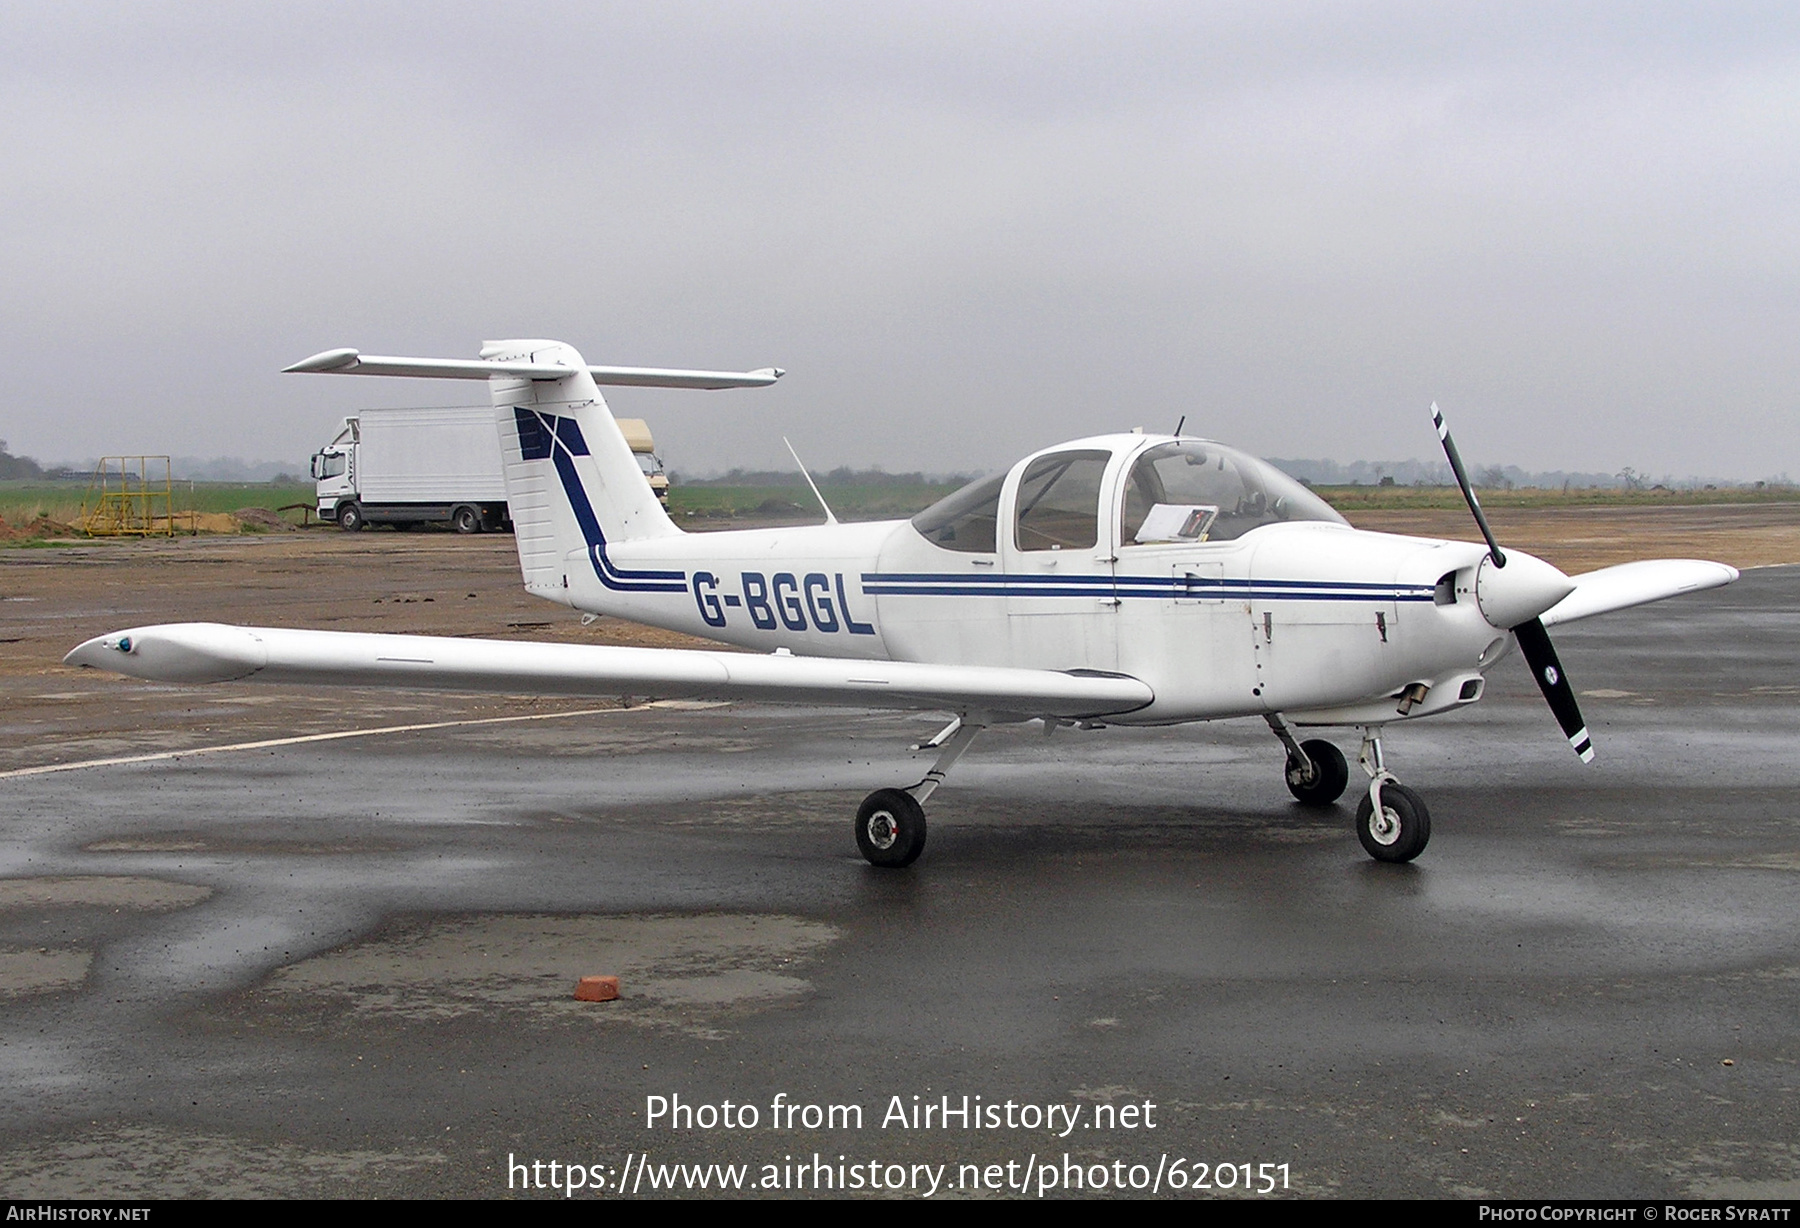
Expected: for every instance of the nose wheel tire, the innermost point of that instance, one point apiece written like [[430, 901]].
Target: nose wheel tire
[[1399, 833], [890, 828], [1321, 781]]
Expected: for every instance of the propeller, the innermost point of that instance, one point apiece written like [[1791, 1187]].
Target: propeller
[[1523, 594]]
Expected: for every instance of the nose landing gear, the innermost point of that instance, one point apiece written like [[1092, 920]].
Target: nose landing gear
[[1391, 820]]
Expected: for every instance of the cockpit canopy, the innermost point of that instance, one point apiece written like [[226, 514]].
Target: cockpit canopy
[[1181, 491]]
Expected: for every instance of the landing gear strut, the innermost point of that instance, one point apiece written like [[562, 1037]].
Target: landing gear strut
[[890, 824], [1391, 820]]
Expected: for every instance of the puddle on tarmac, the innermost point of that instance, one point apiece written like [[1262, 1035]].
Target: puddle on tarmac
[[688, 973], [100, 891], [153, 1162], [29, 970]]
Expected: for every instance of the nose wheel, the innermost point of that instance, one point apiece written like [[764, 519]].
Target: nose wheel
[[1399, 830], [1391, 820]]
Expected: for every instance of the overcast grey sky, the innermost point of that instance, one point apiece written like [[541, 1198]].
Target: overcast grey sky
[[966, 230]]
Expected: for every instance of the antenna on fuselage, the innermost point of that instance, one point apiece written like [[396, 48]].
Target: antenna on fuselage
[[1181, 424], [830, 518]]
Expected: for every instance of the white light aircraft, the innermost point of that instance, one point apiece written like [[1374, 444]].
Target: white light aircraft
[[1126, 579]]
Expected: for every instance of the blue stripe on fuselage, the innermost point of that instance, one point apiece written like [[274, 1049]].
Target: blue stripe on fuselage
[[924, 584]]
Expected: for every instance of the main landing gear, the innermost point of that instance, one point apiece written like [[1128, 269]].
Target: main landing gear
[[890, 824], [1391, 820], [1316, 771]]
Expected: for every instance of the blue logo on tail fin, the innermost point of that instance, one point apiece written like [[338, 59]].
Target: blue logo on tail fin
[[547, 437]]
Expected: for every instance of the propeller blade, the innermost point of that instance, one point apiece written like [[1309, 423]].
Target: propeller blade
[[1462, 480], [1534, 642]]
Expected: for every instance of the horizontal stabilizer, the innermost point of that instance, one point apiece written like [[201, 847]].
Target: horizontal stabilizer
[[212, 652], [350, 362], [1629, 584]]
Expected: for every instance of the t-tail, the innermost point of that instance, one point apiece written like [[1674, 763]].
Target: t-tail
[[573, 486]]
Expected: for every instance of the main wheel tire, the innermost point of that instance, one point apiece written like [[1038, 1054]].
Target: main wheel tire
[[1401, 831], [465, 519], [350, 518], [890, 828], [1322, 781]]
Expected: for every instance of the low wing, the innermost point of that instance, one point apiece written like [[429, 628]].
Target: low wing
[[212, 652], [1629, 584]]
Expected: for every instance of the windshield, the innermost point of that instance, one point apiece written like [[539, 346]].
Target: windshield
[[1193, 491]]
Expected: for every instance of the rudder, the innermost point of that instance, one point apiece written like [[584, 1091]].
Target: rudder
[[572, 483]]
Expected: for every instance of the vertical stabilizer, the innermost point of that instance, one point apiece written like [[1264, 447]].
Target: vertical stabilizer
[[572, 483]]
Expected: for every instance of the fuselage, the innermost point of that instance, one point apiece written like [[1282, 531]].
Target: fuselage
[[1225, 609]]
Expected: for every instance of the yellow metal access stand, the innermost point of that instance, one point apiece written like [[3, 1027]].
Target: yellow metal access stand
[[131, 496]]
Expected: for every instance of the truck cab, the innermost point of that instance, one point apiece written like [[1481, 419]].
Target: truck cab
[[637, 436], [334, 471]]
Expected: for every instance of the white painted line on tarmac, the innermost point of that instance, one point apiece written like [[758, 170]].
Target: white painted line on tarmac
[[317, 737]]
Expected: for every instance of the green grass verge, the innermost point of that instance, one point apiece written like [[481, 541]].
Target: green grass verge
[[23, 501], [1367, 498], [702, 503]]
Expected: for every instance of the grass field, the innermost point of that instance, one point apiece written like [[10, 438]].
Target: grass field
[[23, 503], [881, 502], [701, 503], [1409, 498]]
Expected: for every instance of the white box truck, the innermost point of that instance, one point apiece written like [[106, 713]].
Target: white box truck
[[408, 467]]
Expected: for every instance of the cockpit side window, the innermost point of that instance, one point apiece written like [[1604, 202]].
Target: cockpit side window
[[1058, 504], [1195, 492], [966, 519]]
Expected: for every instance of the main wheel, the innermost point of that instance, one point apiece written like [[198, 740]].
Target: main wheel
[[1401, 831], [465, 519], [890, 828], [1321, 781], [350, 518]]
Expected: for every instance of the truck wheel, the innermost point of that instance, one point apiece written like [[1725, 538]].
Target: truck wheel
[[465, 519], [350, 518]]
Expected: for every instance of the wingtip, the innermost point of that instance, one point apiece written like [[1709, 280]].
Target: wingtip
[[86, 655], [326, 360], [178, 652]]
